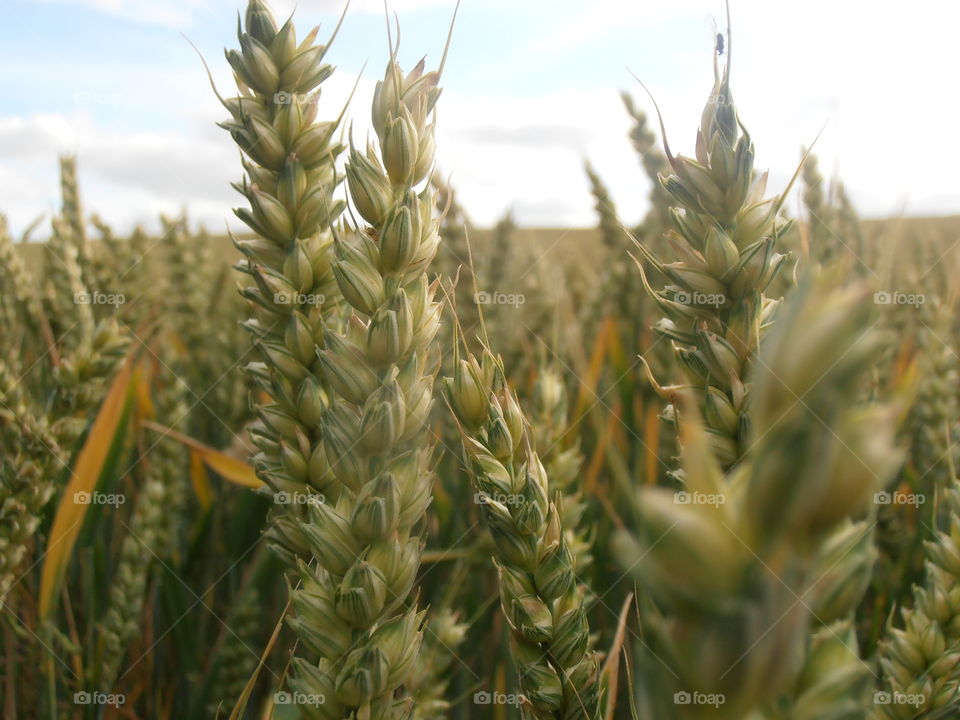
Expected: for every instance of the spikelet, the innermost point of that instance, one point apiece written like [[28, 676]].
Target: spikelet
[[82, 378], [834, 682], [66, 295]]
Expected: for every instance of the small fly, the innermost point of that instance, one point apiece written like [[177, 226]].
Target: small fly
[[719, 43]]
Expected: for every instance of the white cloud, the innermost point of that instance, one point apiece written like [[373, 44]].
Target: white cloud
[[126, 178], [285, 7], [876, 80], [169, 13], [185, 13]]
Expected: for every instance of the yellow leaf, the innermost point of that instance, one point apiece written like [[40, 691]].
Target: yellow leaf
[[588, 388], [201, 483], [100, 444], [236, 471], [141, 384]]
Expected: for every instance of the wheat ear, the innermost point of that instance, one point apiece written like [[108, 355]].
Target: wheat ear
[[539, 592]]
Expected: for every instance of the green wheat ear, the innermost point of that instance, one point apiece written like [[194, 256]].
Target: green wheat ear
[[726, 559], [723, 234], [539, 592], [921, 660], [351, 376]]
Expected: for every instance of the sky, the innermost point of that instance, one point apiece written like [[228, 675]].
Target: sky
[[531, 89]]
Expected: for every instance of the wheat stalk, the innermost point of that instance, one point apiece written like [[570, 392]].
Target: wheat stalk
[[72, 211], [428, 679], [29, 451], [82, 377], [22, 307], [610, 230], [723, 235], [849, 227], [730, 558], [150, 535], [821, 245], [501, 251], [236, 658], [380, 366], [290, 182], [654, 164], [921, 661], [539, 593], [562, 460]]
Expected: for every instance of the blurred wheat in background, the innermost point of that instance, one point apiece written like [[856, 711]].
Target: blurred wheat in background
[[364, 460]]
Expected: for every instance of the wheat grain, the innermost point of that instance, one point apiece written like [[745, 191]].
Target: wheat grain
[[834, 683]]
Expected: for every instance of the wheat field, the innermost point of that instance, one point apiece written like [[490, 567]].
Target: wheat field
[[362, 459]]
